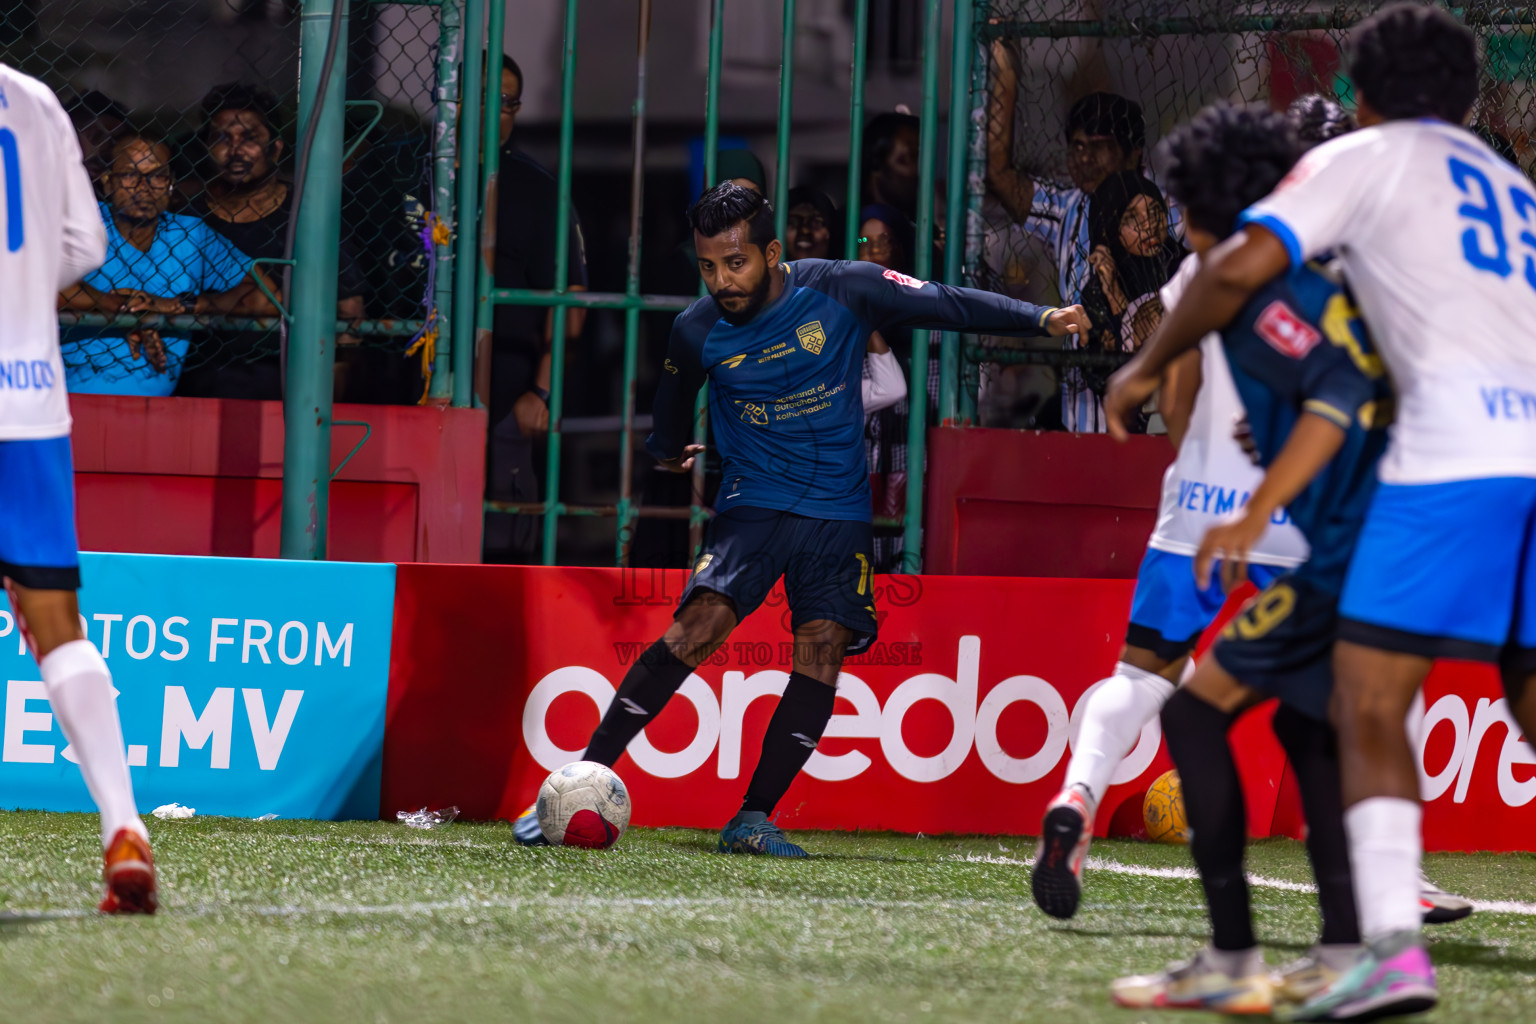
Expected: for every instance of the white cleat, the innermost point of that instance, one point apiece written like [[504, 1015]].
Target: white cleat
[[1439, 906]]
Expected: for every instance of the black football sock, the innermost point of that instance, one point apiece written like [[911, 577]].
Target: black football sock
[[793, 733], [648, 685], [1313, 748], [1213, 806]]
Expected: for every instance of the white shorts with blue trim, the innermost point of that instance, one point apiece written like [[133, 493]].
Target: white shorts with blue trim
[[1445, 570]]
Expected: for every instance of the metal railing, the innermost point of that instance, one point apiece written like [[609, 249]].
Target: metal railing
[[627, 509]]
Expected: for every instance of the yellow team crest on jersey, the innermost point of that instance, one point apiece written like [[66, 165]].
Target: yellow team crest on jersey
[[812, 337], [755, 414], [733, 361]]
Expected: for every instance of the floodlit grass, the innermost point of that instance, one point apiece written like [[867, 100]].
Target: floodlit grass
[[293, 922]]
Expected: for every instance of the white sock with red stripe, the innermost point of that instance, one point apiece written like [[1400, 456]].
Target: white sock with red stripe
[[1112, 723], [1385, 848], [80, 690]]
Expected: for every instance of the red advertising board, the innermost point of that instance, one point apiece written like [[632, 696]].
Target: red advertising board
[[958, 720]]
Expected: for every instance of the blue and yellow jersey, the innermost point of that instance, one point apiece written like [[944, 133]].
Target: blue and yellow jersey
[[1300, 346], [785, 402]]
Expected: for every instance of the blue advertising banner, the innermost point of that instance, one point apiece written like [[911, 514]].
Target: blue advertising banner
[[245, 686]]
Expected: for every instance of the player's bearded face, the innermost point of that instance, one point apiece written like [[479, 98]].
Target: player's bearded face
[[736, 272]]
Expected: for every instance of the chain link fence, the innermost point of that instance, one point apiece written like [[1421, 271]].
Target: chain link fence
[[186, 113], [1117, 76]]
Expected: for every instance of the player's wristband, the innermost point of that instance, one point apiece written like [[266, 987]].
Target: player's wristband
[[543, 393]]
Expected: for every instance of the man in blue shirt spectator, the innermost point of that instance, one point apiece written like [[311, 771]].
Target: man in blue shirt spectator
[[157, 262]]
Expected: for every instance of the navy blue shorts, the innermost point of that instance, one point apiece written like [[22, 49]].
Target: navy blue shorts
[[1281, 644], [37, 514], [1169, 611], [826, 565]]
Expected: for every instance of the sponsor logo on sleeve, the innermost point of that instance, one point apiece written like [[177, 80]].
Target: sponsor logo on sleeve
[[903, 279], [1285, 331]]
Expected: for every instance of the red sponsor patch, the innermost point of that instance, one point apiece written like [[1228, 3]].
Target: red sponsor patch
[[1286, 332], [900, 278]]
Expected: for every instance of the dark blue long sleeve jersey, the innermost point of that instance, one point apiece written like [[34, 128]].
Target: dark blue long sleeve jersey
[[1299, 346], [785, 401]]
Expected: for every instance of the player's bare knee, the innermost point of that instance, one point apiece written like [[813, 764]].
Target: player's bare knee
[[701, 627], [51, 617], [819, 649]]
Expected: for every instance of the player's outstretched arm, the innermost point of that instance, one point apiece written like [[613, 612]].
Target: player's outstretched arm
[[1228, 277], [885, 298], [1312, 444]]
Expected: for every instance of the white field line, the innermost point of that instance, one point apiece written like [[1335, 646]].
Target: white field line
[[1257, 881]]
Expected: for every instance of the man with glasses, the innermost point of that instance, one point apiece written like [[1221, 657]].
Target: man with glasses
[[512, 372], [157, 262]]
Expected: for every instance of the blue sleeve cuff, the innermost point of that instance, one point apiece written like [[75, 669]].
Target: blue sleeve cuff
[[1280, 229]]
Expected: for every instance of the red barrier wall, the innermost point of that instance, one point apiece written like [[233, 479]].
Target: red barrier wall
[[957, 720], [1036, 503], [201, 476]]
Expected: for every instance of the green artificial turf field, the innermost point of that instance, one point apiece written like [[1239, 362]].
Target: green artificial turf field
[[292, 922]]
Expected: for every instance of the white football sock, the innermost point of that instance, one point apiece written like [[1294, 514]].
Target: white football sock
[[80, 690], [1112, 723], [1385, 848]]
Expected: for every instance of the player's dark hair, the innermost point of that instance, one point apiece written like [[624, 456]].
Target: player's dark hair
[[508, 64], [1315, 118], [1411, 61], [1225, 159], [727, 205], [240, 96]]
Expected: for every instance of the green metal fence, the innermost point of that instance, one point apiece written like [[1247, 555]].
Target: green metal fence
[[423, 173], [627, 509]]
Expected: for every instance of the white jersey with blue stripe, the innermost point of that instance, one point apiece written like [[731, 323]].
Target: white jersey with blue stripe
[[1212, 477], [51, 235], [1436, 235]]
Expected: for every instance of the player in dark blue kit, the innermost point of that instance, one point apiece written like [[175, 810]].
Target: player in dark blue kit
[[1318, 402], [782, 345]]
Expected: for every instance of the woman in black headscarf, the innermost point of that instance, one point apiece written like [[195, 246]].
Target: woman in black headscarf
[[1133, 256]]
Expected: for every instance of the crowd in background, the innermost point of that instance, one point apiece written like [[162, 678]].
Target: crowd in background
[[194, 226]]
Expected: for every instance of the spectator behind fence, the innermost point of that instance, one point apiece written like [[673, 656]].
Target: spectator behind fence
[[812, 228], [512, 374], [888, 162], [157, 262], [98, 120], [1133, 256], [1105, 134], [249, 203]]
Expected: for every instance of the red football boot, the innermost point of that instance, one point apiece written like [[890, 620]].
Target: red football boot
[[129, 872]]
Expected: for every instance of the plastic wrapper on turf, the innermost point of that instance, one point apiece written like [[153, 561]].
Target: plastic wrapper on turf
[[425, 818]]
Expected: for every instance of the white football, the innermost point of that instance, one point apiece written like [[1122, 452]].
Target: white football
[[583, 804]]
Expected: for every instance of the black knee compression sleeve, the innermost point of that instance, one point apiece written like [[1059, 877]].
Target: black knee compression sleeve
[[1213, 804], [648, 685], [1313, 748]]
